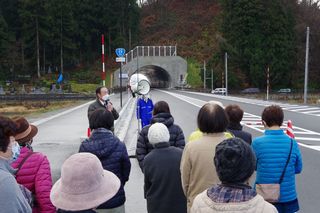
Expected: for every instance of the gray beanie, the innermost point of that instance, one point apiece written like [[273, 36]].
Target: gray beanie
[[235, 161], [158, 133]]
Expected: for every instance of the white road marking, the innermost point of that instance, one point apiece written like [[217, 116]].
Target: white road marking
[[41, 121], [293, 108], [312, 112], [44, 120], [299, 110], [250, 121]]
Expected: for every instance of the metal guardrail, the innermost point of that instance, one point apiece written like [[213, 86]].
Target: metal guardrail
[[46, 97], [146, 51]]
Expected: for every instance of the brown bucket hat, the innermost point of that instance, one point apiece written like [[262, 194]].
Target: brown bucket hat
[[25, 131]]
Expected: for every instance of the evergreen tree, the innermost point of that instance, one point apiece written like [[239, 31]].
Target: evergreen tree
[[4, 42], [261, 33], [63, 34], [3, 37], [35, 27], [194, 77]]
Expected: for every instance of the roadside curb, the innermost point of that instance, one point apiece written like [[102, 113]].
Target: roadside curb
[[125, 115]]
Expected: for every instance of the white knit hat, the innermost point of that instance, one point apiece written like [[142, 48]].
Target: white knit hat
[[158, 133]]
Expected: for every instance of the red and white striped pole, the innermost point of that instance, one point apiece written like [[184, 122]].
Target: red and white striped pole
[[103, 74], [290, 129]]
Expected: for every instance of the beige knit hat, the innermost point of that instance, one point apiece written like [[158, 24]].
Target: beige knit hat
[[83, 184]]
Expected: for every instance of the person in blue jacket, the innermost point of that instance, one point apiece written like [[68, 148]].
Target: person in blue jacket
[[272, 151], [144, 110]]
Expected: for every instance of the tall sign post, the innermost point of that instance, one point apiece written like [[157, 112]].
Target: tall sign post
[[120, 59], [103, 74], [306, 69]]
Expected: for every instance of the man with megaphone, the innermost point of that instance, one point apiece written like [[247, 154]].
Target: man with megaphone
[[103, 102]]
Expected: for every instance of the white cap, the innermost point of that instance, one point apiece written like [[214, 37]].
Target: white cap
[[158, 133]]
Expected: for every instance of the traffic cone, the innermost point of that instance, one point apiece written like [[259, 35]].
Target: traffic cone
[[290, 129], [88, 132]]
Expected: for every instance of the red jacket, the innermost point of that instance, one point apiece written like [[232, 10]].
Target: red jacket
[[35, 174]]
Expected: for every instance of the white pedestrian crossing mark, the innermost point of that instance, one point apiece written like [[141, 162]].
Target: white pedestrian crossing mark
[[303, 136]]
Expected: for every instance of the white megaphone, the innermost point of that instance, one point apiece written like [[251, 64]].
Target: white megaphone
[[139, 84]]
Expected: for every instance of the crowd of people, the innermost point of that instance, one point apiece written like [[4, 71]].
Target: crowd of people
[[211, 172]]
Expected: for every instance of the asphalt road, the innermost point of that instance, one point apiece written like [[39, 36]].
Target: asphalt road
[[185, 106], [60, 133], [59, 137]]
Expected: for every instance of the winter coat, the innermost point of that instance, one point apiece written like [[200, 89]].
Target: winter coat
[[162, 182], [11, 197], [176, 136], [197, 168], [197, 134], [114, 157], [272, 150], [144, 111], [35, 174], [98, 105], [203, 204], [236, 130]]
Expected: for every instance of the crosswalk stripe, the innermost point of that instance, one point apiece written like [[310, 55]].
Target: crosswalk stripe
[[309, 112], [299, 110], [254, 122]]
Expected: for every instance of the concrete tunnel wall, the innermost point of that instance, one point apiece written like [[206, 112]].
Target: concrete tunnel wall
[[163, 72]]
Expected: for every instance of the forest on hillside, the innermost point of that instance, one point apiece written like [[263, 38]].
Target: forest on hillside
[[257, 35], [37, 35]]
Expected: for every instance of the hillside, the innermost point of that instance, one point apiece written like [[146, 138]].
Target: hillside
[[189, 24], [257, 34]]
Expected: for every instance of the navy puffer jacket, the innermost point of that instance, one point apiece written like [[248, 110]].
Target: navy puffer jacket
[[176, 136], [114, 157]]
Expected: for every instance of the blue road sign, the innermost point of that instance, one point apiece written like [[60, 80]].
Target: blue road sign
[[120, 52]]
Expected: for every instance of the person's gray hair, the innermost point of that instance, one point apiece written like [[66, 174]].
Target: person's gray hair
[[158, 133], [216, 102]]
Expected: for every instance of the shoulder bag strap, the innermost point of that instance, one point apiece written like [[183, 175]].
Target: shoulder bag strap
[[24, 160], [288, 159]]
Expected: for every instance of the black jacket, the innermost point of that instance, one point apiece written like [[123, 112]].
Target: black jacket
[[162, 180], [236, 130], [98, 105], [176, 136], [114, 157]]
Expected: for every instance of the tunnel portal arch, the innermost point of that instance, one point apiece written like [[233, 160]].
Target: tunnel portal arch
[[158, 77]]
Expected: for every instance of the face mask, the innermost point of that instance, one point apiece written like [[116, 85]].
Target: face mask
[[105, 97], [15, 151]]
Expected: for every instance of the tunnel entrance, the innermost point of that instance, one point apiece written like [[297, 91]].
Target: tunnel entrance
[[159, 77]]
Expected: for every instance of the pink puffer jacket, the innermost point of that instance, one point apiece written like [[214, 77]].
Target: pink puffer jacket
[[35, 174]]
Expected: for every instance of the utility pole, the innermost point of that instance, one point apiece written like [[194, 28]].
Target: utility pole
[[226, 67], [211, 80], [204, 75], [38, 48], [121, 85], [61, 44], [268, 82], [306, 68], [103, 74], [137, 101]]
